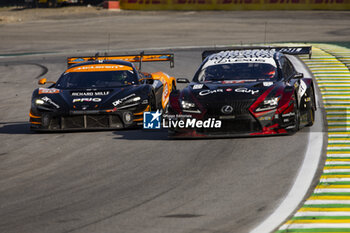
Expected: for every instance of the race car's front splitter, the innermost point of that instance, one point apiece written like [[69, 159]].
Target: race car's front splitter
[[86, 120], [81, 121]]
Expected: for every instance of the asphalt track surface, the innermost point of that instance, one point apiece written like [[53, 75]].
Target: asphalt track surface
[[129, 181]]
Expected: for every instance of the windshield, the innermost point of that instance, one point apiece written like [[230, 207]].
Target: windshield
[[239, 71], [76, 80]]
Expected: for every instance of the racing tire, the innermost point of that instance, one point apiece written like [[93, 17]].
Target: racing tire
[[311, 111], [152, 103], [173, 88], [296, 115]]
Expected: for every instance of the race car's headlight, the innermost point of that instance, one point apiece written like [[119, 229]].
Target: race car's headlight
[[189, 107], [132, 100], [39, 101], [127, 102], [268, 104]]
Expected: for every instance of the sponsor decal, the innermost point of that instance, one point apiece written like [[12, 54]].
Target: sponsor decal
[[81, 100], [246, 54], [265, 118], [78, 60], [48, 100], [233, 81], [288, 114], [242, 56], [91, 93], [291, 50], [155, 83], [246, 60], [48, 91], [302, 88], [207, 92], [98, 67], [227, 109], [246, 90], [120, 101], [197, 86], [255, 55], [267, 84], [151, 120], [165, 91], [163, 57]]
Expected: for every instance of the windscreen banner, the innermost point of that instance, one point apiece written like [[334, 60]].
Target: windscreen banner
[[235, 4]]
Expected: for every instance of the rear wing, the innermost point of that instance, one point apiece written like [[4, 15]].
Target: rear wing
[[286, 50], [130, 58]]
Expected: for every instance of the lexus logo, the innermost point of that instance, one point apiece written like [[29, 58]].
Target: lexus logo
[[227, 109]]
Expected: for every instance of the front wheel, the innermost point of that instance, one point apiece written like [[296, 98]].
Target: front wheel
[[296, 115], [152, 103], [311, 111], [173, 87]]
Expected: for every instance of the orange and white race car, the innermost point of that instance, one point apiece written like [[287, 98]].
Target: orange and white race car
[[101, 92]]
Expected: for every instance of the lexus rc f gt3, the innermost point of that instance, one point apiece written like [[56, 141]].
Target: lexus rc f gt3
[[251, 91], [101, 93]]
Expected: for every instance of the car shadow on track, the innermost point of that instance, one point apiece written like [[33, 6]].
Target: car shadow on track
[[139, 134], [159, 135], [20, 127]]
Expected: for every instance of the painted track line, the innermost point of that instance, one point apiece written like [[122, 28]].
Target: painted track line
[[306, 172], [328, 208]]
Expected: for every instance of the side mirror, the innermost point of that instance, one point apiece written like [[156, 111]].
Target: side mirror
[[298, 76], [42, 81], [182, 80], [141, 79], [146, 80]]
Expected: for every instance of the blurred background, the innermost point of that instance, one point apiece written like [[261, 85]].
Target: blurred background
[[47, 3]]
